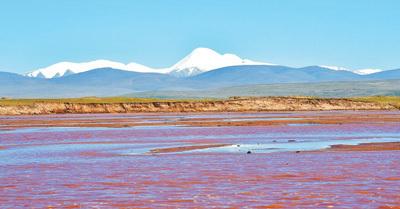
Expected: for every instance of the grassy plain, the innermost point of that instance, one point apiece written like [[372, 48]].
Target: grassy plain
[[392, 100]]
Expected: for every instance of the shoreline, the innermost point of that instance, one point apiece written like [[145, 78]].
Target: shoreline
[[234, 104]]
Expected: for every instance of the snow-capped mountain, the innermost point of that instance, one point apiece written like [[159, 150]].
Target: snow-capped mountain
[[203, 59], [198, 61], [66, 68]]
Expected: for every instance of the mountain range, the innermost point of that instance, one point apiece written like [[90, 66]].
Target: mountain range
[[320, 89], [202, 70], [198, 61]]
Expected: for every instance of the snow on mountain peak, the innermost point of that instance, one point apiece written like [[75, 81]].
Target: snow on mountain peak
[[367, 71], [205, 59], [200, 58]]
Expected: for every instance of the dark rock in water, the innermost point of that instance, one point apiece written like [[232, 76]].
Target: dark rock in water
[[297, 151], [291, 140], [248, 152], [238, 145], [274, 141]]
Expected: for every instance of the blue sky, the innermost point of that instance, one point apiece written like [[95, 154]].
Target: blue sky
[[349, 33]]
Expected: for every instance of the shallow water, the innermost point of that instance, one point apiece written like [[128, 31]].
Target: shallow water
[[62, 166]]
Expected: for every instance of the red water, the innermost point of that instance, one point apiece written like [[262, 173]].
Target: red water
[[90, 167]]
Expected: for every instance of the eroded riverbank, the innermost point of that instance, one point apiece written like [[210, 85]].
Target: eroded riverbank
[[230, 105]]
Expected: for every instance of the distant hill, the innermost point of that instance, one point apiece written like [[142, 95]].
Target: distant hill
[[99, 82], [118, 79], [113, 82], [267, 74], [14, 79], [324, 89], [388, 74], [15, 85]]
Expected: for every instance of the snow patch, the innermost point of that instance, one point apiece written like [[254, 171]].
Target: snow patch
[[367, 71], [336, 68]]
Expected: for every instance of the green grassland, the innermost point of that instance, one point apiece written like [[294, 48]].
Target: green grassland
[[392, 100]]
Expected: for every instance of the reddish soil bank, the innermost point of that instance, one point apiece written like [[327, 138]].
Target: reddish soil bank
[[384, 146], [230, 105]]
